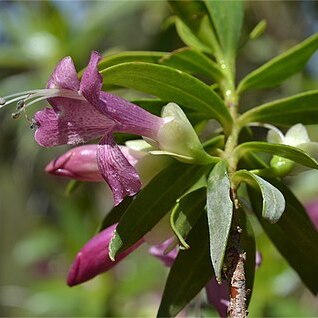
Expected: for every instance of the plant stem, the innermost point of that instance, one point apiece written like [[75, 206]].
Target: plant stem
[[235, 256]]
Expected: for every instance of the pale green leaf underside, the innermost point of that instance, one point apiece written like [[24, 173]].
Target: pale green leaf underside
[[273, 200], [219, 211]]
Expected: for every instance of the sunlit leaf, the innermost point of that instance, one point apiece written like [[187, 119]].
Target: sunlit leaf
[[282, 66], [300, 108], [227, 17], [289, 152], [192, 61]]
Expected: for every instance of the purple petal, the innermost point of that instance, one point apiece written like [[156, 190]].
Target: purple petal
[[74, 122], [92, 81], [120, 175], [78, 163], [130, 117], [218, 296], [93, 258], [312, 211], [64, 76], [159, 251]]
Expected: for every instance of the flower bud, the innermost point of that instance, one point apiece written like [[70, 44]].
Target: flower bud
[[93, 258], [78, 163]]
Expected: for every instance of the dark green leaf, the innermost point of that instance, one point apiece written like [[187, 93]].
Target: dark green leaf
[[289, 152], [281, 67], [301, 108], [293, 235], [219, 210], [190, 272], [153, 203], [171, 85], [227, 17], [194, 26], [193, 62], [114, 215], [186, 213], [273, 201]]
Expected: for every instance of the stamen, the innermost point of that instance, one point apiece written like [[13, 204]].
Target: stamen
[[46, 93]]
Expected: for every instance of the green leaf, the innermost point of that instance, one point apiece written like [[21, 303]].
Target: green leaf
[[130, 56], [293, 235], [194, 26], [227, 17], [300, 108], [186, 213], [193, 62], [248, 244], [189, 38], [281, 67], [153, 203], [219, 210], [289, 152], [273, 201], [258, 30], [171, 85], [114, 215], [190, 272]]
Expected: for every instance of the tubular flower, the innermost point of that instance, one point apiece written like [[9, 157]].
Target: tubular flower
[[81, 112]]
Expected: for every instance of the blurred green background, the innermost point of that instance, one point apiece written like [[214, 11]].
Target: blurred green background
[[42, 228]]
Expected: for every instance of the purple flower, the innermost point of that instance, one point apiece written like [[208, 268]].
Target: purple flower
[[81, 112], [93, 258]]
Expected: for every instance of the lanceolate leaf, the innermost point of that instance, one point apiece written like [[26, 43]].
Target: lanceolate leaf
[[152, 204], [171, 85], [193, 16], [227, 17], [301, 108], [282, 66], [273, 200], [186, 213], [219, 210], [293, 235], [190, 272], [189, 38], [289, 152], [192, 61], [130, 56]]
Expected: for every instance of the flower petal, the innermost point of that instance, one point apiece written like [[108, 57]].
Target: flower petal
[[218, 296], [130, 117], [92, 81], [296, 135], [120, 175], [64, 75], [74, 122], [160, 251], [93, 258]]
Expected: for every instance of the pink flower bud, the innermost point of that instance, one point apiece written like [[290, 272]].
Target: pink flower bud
[[78, 163], [93, 258]]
